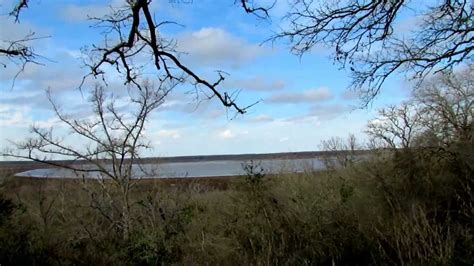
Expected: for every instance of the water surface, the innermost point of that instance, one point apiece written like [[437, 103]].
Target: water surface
[[191, 169]]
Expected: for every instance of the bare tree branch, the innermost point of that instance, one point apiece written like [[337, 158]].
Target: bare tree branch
[[20, 53], [259, 11], [111, 142], [365, 40], [396, 125], [441, 113], [22, 4], [137, 33], [448, 105]]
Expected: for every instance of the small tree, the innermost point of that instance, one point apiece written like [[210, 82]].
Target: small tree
[[342, 153], [447, 103], [396, 126], [440, 113], [106, 146]]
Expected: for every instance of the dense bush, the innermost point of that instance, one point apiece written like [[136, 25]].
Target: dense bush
[[410, 206]]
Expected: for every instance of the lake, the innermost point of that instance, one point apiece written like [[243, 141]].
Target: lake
[[192, 169]]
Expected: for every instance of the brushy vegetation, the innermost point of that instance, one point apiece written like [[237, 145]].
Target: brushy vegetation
[[412, 206], [409, 201]]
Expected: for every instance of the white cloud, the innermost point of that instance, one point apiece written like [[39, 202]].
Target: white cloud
[[303, 119], [226, 134], [378, 122], [215, 46], [329, 111], [164, 133], [350, 95], [319, 113], [307, 96], [73, 53], [50, 123], [162, 136], [78, 13], [255, 83], [16, 117], [10, 116], [261, 118], [11, 31], [17, 31]]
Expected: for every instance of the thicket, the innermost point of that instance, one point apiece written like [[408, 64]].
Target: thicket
[[407, 202]]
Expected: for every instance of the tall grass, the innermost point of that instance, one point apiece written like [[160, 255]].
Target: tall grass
[[409, 207]]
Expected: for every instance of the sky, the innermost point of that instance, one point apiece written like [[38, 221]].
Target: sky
[[302, 100]]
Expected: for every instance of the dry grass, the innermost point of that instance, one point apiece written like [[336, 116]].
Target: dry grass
[[367, 214]]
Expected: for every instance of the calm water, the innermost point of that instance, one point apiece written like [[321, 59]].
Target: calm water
[[192, 169]]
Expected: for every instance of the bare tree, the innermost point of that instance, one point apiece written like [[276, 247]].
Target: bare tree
[[367, 41], [396, 126], [105, 146], [440, 113], [447, 102], [342, 153]]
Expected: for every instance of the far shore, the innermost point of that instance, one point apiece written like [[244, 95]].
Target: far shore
[[20, 166]]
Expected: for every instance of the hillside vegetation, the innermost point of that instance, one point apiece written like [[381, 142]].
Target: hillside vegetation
[[410, 202]]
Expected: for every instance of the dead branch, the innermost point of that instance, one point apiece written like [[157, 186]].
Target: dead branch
[[20, 53], [22, 4], [259, 11], [365, 40], [138, 33]]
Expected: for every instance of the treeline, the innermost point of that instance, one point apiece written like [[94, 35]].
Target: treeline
[[409, 203]]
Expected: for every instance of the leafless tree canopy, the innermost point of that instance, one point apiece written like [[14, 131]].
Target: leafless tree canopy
[[365, 35], [447, 102], [112, 140], [112, 136], [132, 35], [396, 126], [440, 113], [365, 38], [133, 31], [344, 152], [19, 51]]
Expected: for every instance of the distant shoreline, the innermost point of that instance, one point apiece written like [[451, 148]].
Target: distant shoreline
[[19, 166]]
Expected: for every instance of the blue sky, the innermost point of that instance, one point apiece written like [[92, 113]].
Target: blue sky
[[303, 100]]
